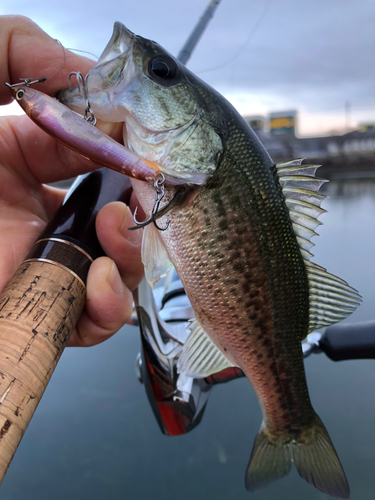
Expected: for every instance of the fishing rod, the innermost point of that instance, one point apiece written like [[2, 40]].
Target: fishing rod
[[190, 44], [42, 303]]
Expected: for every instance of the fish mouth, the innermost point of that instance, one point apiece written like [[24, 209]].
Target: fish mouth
[[107, 93], [121, 42], [104, 75]]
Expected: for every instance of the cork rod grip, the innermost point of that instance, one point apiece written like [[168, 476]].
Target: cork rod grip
[[38, 312]]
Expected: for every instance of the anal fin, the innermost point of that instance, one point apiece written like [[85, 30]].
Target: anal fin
[[200, 357]]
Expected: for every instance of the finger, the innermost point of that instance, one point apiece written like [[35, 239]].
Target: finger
[[122, 245], [14, 242], [108, 305], [36, 155], [27, 51]]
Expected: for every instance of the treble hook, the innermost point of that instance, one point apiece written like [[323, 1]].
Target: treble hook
[[159, 195], [89, 113]]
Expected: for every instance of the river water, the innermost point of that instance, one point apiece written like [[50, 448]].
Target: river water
[[94, 435]]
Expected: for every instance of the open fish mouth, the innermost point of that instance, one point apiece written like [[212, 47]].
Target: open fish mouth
[[119, 45], [114, 65], [117, 85]]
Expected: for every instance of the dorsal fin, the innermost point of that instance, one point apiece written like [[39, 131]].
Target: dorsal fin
[[331, 298], [301, 191]]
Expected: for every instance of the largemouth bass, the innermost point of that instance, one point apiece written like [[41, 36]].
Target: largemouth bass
[[239, 241]]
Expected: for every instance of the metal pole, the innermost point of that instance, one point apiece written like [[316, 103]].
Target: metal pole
[[193, 39]]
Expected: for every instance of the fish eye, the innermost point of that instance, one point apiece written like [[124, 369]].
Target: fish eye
[[19, 94], [162, 69]]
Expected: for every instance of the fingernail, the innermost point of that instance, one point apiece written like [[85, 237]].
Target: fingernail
[[135, 235], [115, 280]]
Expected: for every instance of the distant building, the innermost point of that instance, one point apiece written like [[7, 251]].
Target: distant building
[[340, 155], [283, 123], [359, 142], [367, 127], [256, 122]]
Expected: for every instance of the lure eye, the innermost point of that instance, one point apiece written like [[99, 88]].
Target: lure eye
[[163, 70], [19, 94]]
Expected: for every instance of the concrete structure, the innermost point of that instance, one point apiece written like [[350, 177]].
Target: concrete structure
[[340, 155]]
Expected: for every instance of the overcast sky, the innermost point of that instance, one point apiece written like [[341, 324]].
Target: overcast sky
[[266, 55]]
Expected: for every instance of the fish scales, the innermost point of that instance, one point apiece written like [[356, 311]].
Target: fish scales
[[240, 257], [239, 254]]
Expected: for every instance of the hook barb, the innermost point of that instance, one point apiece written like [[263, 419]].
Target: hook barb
[[155, 214]]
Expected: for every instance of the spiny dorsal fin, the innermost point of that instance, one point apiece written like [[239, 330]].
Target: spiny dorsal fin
[[200, 357], [301, 191], [331, 298]]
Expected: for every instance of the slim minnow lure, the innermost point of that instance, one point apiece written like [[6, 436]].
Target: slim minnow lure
[[71, 130]]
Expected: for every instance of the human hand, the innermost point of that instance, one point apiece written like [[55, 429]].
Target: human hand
[[30, 158]]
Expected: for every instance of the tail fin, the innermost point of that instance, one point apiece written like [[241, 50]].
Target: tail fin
[[313, 454]]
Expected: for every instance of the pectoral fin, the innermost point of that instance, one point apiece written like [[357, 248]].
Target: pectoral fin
[[154, 255]]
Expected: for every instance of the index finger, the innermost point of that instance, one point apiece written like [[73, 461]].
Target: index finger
[[27, 51]]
